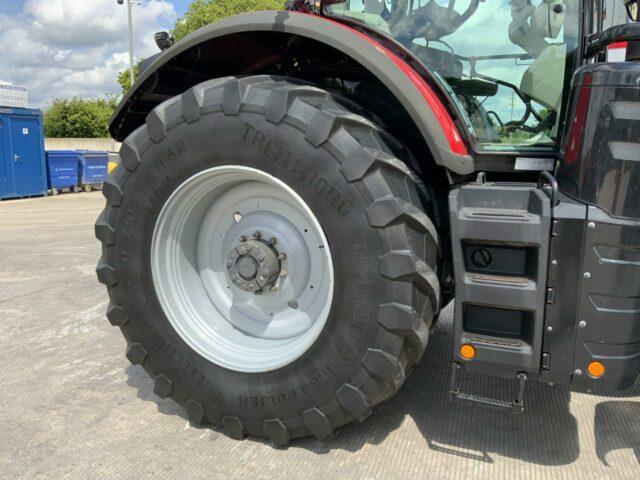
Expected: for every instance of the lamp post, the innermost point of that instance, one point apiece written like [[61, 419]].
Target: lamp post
[[131, 74]]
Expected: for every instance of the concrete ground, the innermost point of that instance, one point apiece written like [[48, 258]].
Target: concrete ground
[[71, 406]]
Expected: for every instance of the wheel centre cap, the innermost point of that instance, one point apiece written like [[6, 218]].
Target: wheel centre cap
[[247, 267], [253, 265]]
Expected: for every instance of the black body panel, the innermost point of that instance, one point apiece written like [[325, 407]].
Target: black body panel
[[609, 303], [601, 150], [596, 247]]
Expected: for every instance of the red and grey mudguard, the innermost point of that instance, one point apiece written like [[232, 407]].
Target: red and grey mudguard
[[425, 104]]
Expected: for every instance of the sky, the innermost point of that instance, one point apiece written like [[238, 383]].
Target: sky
[[66, 48]]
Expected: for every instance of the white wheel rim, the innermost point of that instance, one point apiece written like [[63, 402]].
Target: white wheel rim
[[194, 249]]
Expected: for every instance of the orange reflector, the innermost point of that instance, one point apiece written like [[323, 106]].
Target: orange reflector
[[595, 369], [467, 351]]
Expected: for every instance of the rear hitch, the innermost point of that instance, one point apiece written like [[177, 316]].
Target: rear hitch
[[455, 393]]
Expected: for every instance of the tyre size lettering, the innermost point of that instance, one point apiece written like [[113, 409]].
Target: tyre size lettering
[[192, 374], [295, 168], [129, 222], [316, 377], [173, 153], [351, 340], [264, 401]]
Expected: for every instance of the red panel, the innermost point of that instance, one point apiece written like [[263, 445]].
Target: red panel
[[578, 122], [618, 45]]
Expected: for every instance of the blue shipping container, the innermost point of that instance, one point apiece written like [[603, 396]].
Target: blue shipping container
[[22, 165], [62, 169], [94, 168]]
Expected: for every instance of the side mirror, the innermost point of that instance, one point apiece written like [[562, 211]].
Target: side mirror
[[633, 10], [164, 40]]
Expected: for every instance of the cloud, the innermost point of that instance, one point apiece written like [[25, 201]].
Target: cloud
[[65, 48]]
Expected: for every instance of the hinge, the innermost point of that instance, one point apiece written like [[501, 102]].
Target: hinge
[[551, 296], [546, 361]]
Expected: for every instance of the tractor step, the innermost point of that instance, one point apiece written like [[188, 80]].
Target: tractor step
[[500, 237], [514, 406]]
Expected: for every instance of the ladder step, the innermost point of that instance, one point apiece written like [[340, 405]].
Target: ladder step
[[455, 393]]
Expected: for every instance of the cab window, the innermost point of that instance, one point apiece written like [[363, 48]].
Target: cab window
[[505, 62]]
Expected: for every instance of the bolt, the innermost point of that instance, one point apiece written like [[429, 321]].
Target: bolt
[[274, 287], [293, 304], [258, 292], [592, 225], [554, 262], [273, 240], [243, 239], [549, 329], [261, 258], [282, 256], [257, 235], [283, 274], [582, 324], [587, 275], [578, 372]]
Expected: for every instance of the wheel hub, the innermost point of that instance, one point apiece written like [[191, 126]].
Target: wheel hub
[[253, 266]]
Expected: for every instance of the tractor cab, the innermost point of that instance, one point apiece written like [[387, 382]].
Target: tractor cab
[[504, 63]]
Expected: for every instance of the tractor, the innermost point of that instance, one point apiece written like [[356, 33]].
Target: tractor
[[302, 192]]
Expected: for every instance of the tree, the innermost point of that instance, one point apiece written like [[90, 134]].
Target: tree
[[78, 118], [124, 78], [204, 12]]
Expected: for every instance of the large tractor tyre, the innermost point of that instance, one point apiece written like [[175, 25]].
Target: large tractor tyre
[[267, 258]]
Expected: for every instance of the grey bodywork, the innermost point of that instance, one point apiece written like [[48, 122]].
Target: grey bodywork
[[327, 32]]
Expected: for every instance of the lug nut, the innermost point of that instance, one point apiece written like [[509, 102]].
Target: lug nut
[[273, 240], [282, 256], [274, 287], [257, 235], [283, 274], [243, 239], [258, 292]]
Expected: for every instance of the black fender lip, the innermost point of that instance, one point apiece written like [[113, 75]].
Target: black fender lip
[[332, 34]]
